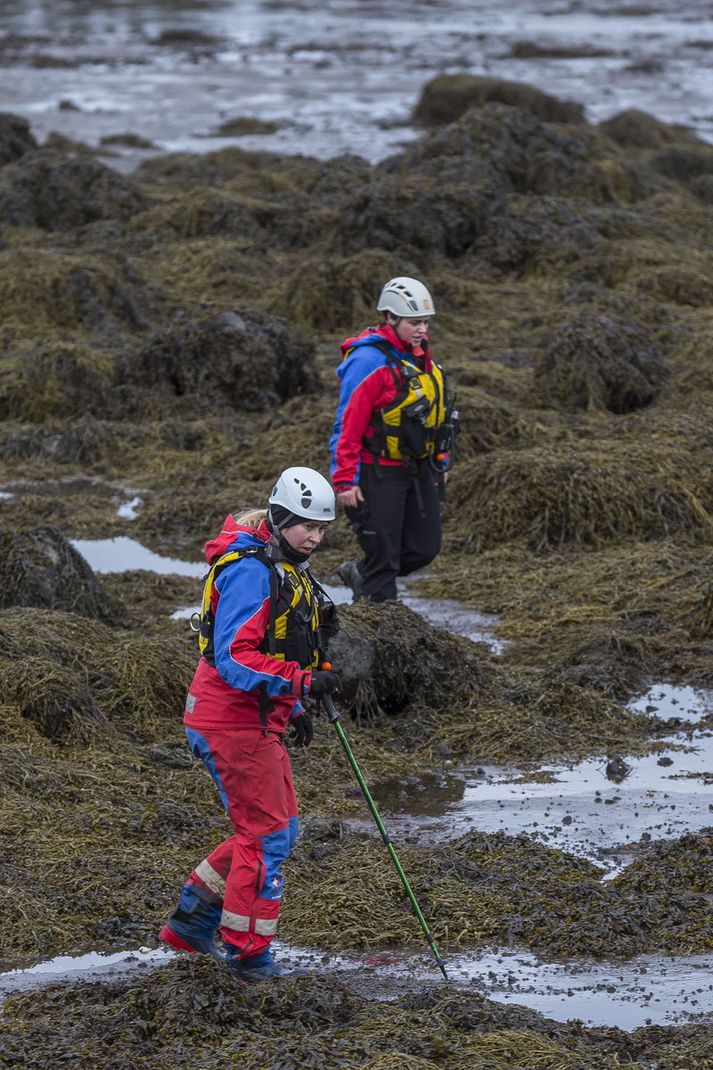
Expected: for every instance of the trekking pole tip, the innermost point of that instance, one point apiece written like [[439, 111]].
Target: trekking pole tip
[[442, 968]]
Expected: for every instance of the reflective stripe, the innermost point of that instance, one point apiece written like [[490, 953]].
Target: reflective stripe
[[241, 923], [266, 926], [210, 877]]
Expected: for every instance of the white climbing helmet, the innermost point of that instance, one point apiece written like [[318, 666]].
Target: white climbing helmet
[[406, 297], [303, 493]]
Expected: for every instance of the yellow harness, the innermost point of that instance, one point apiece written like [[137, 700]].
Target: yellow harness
[[410, 423], [295, 617], [407, 429]]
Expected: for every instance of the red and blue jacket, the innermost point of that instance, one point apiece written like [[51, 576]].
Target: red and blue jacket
[[367, 386], [227, 695]]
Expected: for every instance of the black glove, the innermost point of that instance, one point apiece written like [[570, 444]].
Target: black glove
[[324, 682], [304, 729]]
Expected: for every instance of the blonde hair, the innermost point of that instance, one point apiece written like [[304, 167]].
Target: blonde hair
[[253, 518]]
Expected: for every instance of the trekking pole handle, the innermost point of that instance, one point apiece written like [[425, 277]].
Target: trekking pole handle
[[332, 711], [327, 701]]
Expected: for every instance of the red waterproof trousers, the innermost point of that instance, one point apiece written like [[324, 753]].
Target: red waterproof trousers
[[251, 769]]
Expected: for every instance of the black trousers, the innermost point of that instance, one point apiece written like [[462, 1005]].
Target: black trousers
[[398, 526]]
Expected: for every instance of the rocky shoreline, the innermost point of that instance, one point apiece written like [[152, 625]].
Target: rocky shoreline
[[176, 331]]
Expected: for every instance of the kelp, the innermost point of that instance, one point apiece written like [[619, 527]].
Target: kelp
[[61, 379], [611, 618], [598, 362], [193, 1015], [448, 96], [485, 889], [586, 494], [39, 567], [585, 527], [42, 291], [54, 191]]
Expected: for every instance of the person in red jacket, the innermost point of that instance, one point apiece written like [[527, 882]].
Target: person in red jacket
[[264, 622], [389, 444]]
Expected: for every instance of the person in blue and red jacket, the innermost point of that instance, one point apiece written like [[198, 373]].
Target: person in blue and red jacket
[[392, 442], [264, 623]]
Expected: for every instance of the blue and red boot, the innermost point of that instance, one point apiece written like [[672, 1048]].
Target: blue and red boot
[[258, 968], [194, 924]]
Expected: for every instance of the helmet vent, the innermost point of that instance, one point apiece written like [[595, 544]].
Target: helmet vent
[[306, 499]]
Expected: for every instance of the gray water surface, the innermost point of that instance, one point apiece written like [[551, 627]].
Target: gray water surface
[[338, 76]]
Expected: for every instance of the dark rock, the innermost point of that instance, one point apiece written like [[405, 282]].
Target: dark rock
[[440, 196], [187, 39], [41, 568], [617, 769], [601, 362], [172, 755], [535, 230], [389, 657], [15, 138], [128, 140], [246, 360], [242, 125], [46, 189]]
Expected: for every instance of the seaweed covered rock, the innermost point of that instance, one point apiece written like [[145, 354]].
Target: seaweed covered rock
[[553, 495], [601, 362], [445, 98], [199, 213], [48, 190], [43, 289], [440, 194], [389, 658], [54, 699], [82, 441], [401, 211], [640, 130], [15, 138], [137, 685], [327, 293], [679, 285], [41, 568], [534, 231], [701, 623], [494, 888], [59, 378], [682, 867], [246, 360], [684, 163]]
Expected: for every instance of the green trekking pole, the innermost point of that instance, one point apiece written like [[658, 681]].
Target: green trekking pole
[[333, 714]]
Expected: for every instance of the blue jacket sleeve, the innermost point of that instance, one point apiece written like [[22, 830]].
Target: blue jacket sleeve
[[241, 621]]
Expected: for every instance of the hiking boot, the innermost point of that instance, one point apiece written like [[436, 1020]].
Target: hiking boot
[[194, 924], [350, 575], [259, 967]]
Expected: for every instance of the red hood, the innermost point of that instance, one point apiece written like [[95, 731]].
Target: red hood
[[386, 331], [231, 531]]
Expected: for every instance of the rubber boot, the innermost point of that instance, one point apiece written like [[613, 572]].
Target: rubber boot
[[259, 968], [194, 924]]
